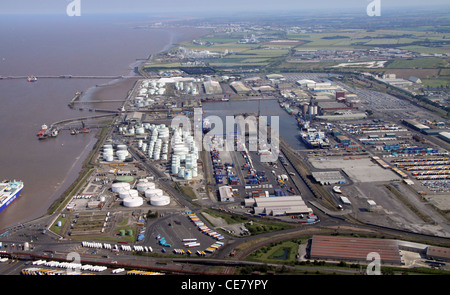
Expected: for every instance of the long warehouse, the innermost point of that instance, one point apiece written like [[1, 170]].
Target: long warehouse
[[278, 205], [354, 249]]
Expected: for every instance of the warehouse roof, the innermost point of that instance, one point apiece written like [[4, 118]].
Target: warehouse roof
[[438, 253], [279, 205], [226, 193], [239, 87], [354, 249], [328, 176]]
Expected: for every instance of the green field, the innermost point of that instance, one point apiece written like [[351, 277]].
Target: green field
[[427, 50], [436, 82], [281, 252], [270, 56], [424, 63]]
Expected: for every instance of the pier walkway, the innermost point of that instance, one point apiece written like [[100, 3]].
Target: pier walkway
[[66, 77]]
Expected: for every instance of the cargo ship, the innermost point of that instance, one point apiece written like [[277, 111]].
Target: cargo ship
[[9, 191], [314, 138]]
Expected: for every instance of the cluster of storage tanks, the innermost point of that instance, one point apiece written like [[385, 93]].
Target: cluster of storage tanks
[[132, 197], [121, 152], [148, 89], [185, 155], [158, 146], [187, 87]]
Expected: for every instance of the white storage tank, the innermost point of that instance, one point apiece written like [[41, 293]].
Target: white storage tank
[[153, 192], [120, 186], [143, 186], [140, 130], [133, 201], [188, 174], [160, 200], [129, 193], [181, 171], [108, 157], [175, 168], [122, 155]]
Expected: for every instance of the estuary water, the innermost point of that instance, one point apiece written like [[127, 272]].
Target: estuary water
[[288, 127], [100, 45]]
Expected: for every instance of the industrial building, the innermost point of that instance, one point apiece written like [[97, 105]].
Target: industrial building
[[278, 205], [415, 125], [445, 136], [329, 177], [212, 87], [342, 117], [134, 118], [354, 249], [438, 253], [226, 194], [240, 88], [329, 106], [323, 86]]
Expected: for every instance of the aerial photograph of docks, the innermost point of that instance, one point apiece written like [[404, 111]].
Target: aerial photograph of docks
[[260, 140]]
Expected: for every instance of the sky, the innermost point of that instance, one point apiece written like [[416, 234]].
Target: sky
[[193, 6]]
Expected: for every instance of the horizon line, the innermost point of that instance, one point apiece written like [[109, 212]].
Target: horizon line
[[214, 12]]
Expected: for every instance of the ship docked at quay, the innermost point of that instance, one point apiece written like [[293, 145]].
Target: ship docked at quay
[[312, 137], [9, 191], [47, 132]]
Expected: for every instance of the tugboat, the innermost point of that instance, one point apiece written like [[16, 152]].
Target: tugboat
[[46, 132], [43, 133], [54, 133]]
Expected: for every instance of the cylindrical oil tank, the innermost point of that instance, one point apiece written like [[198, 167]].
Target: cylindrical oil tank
[[153, 192], [120, 186], [109, 158], [129, 193], [143, 186], [188, 174], [133, 201], [181, 171], [175, 168], [160, 200]]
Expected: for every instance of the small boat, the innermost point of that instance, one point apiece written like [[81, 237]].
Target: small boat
[[42, 134], [54, 133], [31, 79]]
